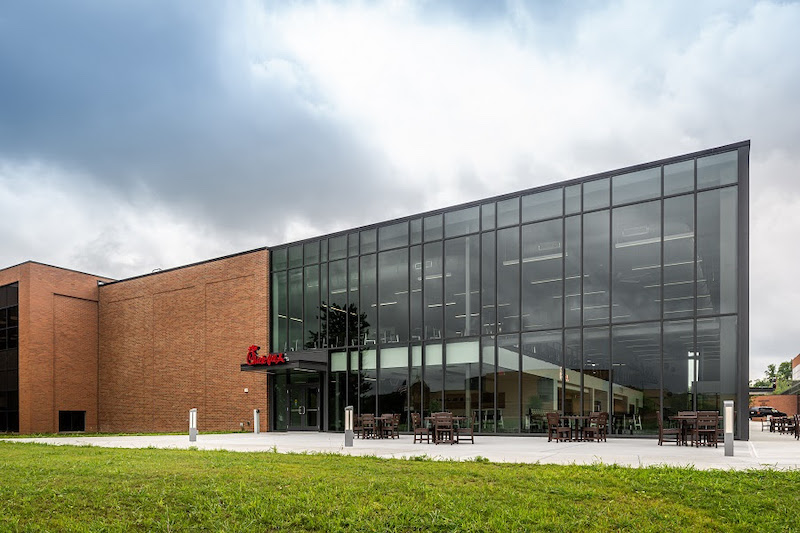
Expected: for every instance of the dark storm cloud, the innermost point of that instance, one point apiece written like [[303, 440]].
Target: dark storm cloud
[[142, 97]]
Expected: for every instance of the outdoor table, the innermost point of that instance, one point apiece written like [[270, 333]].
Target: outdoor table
[[684, 421], [576, 424]]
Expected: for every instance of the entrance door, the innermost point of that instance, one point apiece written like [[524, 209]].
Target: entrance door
[[303, 407]]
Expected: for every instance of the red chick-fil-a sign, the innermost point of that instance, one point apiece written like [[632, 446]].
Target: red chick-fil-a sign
[[270, 359]]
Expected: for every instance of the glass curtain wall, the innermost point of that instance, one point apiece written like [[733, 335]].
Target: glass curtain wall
[[616, 293], [9, 358]]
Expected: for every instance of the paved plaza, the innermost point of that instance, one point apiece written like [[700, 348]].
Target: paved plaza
[[764, 450]]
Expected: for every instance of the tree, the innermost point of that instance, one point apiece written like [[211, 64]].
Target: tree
[[780, 377]]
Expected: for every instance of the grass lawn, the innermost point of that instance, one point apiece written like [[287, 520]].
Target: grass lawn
[[68, 488]]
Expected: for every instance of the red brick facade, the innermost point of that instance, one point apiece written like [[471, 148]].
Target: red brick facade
[[788, 403], [57, 344], [174, 340]]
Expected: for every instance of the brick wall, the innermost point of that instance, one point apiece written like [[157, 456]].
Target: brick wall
[[788, 403], [174, 340], [57, 344]]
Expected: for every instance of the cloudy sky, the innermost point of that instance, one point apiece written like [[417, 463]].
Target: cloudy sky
[[149, 134]]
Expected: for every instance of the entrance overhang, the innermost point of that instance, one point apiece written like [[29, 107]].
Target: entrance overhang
[[303, 361]]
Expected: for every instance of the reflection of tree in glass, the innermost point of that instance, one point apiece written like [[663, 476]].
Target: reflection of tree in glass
[[335, 326]]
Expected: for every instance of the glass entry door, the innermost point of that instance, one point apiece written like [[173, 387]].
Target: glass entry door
[[303, 407]]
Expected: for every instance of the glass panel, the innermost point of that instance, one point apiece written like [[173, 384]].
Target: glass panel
[[393, 383], [636, 279], [434, 376], [337, 307], [323, 250], [595, 267], [716, 170], [487, 216], [596, 194], [507, 381], [311, 307], [542, 205], [542, 278], [716, 362], [338, 247], [295, 310], [462, 287], [323, 305], [433, 227], [352, 244], [416, 231], [641, 185], [488, 380], [368, 386], [393, 236], [433, 290], [311, 252], [369, 300], [280, 321], [636, 356], [575, 395], [393, 296], [461, 222], [680, 367], [416, 380], [542, 360], [508, 291], [296, 256], [353, 381], [369, 241], [596, 369], [572, 271], [679, 177], [488, 307], [716, 252], [356, 317], [679, 256], [278, 259], [508, 212], [416, 293], [572, 199], [280, 407], [461, 379]]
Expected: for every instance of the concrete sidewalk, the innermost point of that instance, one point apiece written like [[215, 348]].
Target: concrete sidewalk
[[764, 450]]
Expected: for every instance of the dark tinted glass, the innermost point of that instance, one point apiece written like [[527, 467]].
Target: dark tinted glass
[[296, 256], [636, 256], [716, 251], [338, 247], [462, 286], [393, 236], [393, 297], [279, 259], [487, 216], [508, 291], [572, 271], [542, 205], [488, 302], [595, 267], [461, 222], [432, 290], [368, 307], [433, 227], [597, 368], [636, 356], [679, 177], [416, 231], [508, 212], [572, 199], [716, 170], [680, 367], [596, 194], [311, 252], [641, 185], [542, 281], [679, 256], [369, 241]]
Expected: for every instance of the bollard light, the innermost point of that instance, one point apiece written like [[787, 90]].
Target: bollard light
[[727, 421], [348, 425], [256, 421], [193, 424]]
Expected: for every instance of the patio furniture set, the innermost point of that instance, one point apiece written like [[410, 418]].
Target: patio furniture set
[[692, 428], [591, 427]]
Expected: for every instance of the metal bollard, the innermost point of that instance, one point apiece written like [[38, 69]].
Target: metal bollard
[[727, 420], [193, 424], [256, 421], [348, 426]]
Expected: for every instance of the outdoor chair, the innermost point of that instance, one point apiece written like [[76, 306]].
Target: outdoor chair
[[368, 426], [464, 430], [664, 431], [390, 426], [419, 429], [597, 429], [358, 428], [556, 430], [443, 430], [705, 429]]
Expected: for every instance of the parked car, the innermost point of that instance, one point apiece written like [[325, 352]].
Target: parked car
[[756, 412]]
